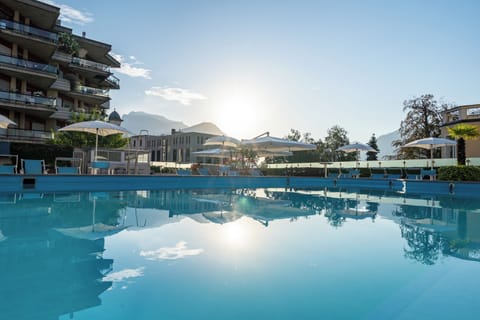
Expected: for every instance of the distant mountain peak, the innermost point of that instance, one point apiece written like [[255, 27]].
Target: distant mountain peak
[[204, 127], [136, 121]]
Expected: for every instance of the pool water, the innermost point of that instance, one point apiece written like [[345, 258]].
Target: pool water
[[239, 254]]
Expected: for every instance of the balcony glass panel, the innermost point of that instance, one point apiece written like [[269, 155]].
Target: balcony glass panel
[[114, 80], [31, 31], [29, 134], [27, 99], [92, 91], [90, 64], [37, 66]]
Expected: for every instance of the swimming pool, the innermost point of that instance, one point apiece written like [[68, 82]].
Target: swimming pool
[[265, 253]]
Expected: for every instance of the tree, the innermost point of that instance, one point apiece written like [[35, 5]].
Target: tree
[[337, 137], [423, 119], [462, 132], [372, 143]]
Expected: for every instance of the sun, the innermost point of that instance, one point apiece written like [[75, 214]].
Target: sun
[[240, 114]]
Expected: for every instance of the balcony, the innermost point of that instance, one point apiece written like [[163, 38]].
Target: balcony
[[112, 82], [42, 42], [461, 114], [90, 65], [89, 94], [23, 135], [34, 104], [41, 74]]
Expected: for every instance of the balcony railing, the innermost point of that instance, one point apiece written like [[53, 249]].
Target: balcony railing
[[90, 64], [91, 91], [28, 30], [14, 97], [114, 80], [28, 135], [27, 64]]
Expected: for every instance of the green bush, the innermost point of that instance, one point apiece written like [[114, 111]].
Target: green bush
[[459, 173]]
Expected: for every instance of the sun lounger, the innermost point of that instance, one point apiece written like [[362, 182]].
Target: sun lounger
[[33, 166], [204, 171], [184, 172], [8, 163], [428, 173], [67, 165]]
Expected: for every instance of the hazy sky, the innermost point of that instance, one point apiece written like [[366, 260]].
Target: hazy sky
[[256, 66]]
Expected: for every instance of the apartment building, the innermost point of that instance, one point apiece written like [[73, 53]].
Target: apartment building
[[469, 114], [47, 73]]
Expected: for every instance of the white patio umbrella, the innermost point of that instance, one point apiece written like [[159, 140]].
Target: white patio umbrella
[[269, 143], [430, 144], [5, 122], [356, 147], [223, 141], [97, 127], [213, 153]]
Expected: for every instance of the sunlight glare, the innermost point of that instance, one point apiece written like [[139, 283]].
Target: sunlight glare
[[240, 114], [235, 235]]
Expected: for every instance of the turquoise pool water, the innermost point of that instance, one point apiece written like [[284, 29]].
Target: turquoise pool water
[[239, 254]]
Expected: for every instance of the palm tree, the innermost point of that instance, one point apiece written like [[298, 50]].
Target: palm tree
[[462, 132]]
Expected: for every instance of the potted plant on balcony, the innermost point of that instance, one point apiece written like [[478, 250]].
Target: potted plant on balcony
[[67, 43]]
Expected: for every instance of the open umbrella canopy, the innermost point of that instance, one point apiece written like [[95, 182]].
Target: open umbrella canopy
[[269, 143], [223, 141], [213, 153], [5, 122], [356, 147], [430, 143], [97, 127]]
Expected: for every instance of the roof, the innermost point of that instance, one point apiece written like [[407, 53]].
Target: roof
[[114, 116]]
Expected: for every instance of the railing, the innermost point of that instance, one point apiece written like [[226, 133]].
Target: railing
[[114, 80], [37, 66], [28, 30], [90, 64], [92, 91], [28, 99], [23, 134]]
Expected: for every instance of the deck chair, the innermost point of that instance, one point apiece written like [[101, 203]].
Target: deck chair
[[353, 173], [67, 165], [33, 166], [204, 171], [8, 169], [10, 165], [184, 172], [430, 174]]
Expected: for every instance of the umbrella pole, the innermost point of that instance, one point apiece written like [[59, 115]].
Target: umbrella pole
[[96, 145], [431, 156]]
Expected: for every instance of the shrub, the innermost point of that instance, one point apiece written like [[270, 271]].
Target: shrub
[[459, 173]]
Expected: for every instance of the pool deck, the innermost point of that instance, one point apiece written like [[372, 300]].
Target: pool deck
[[64, 183]]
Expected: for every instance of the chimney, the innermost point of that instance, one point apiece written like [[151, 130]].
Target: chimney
[[84, 34]]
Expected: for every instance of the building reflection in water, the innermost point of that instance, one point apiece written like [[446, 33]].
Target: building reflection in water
[[45, 273]]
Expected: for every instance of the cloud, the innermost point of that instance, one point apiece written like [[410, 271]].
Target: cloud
[[124, 274], [129, 69], [72, 15], [180, 251], [184, 96]]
